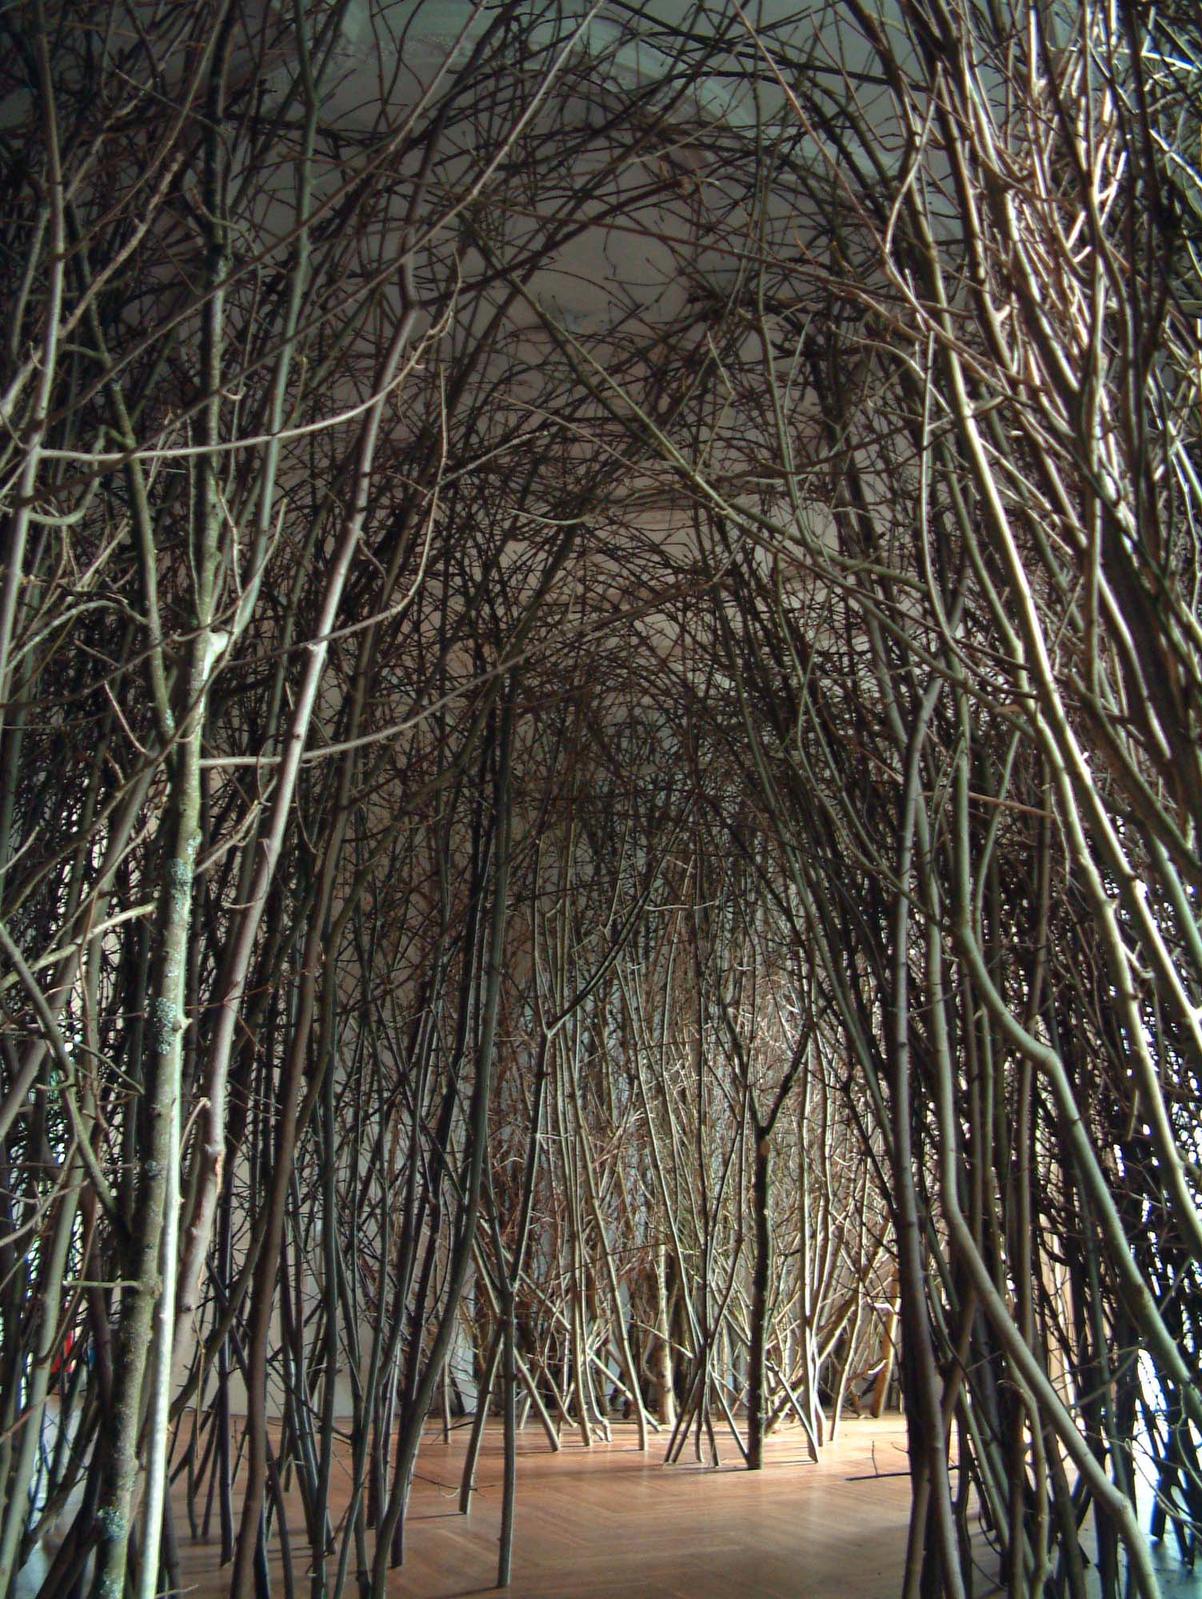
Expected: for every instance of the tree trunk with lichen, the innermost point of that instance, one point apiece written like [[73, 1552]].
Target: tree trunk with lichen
[[148, 1316], [757, 1354], [144, 1303]]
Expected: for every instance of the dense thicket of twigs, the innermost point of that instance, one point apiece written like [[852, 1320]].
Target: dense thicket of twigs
[[601, 771]]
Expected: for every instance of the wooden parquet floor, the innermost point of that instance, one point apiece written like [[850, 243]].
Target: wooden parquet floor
[[608, 1522]]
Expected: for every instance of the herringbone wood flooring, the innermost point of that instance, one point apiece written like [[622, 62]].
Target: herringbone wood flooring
[[610, 1523]]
